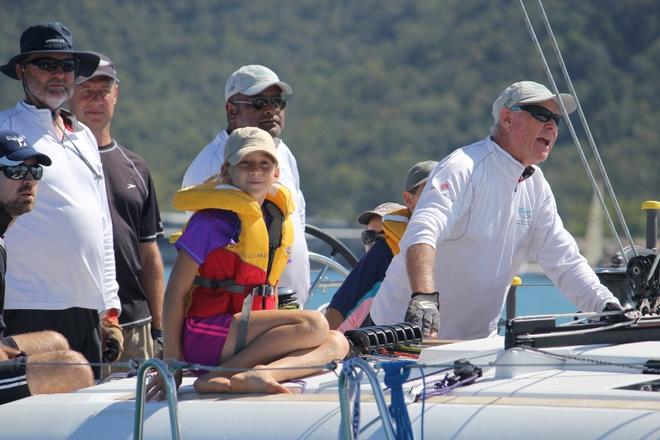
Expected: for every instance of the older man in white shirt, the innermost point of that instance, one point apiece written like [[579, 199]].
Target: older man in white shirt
[[487, 209]]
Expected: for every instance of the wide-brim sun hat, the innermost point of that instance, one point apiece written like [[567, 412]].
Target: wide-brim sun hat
[[384, 208], [51, 38]]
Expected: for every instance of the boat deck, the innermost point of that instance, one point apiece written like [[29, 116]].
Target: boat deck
[[521, 392]]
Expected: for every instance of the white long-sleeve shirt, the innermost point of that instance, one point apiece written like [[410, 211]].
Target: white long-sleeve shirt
[[61, 253], [484, 223], [208, 163]]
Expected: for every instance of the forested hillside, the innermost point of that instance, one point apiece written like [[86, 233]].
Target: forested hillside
[[378, 85]]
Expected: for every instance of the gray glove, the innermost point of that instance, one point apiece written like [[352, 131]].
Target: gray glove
[[157, 336], [424, 311]]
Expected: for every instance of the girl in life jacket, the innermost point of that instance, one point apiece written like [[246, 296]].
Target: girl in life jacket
[[221, 298]]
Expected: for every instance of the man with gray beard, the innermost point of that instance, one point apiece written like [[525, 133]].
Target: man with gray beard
[[62, 272]]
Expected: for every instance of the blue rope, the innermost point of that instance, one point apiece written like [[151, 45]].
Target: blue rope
[[353, 379], [396, 373], [421, 372]]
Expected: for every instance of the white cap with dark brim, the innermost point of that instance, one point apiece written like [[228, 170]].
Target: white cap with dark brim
[[529, 92]]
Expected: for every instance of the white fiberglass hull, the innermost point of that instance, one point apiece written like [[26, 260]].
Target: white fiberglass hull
[[521, 395]]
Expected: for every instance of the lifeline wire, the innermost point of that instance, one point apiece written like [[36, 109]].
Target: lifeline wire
[[590, 138], [571, 129]]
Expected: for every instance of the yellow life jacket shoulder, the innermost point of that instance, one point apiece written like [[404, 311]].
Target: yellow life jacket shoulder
[[252, 245], [394, 225]]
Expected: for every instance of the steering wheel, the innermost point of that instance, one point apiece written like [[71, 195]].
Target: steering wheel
[[330, 263]]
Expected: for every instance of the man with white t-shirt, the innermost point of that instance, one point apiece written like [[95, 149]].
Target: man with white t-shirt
[[255, 97], [485, 210], [62, 271]]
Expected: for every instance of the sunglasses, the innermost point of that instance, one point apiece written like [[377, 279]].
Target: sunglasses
[[369, 236], [260, 102], [541, 114], [51, 64], [19, 172]]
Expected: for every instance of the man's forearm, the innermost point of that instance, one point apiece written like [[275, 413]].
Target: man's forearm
[[151, 277], [420, 259]]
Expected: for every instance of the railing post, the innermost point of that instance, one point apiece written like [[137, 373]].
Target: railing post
[[170, 391], [345, 427], [511, 298], [651, 207]]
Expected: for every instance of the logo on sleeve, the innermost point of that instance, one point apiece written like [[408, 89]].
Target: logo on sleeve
[[524, 217]]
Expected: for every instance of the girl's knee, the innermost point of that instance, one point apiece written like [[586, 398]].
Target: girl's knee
[[316, 322], [339, 343]]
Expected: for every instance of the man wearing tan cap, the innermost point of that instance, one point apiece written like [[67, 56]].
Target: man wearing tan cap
[[255, 96], [487, 209], [373, 220], [350, 305]]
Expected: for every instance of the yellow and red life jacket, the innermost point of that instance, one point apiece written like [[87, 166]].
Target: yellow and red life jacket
[[394, 225], [230, 273]]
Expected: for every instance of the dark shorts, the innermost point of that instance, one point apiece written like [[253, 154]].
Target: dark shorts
[[79, 326], [13, 382], [204, 338]]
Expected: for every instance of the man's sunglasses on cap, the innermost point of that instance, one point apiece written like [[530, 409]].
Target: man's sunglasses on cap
[[260, 102], [51, 64], [539, 113], [369, 236], [19, 172]]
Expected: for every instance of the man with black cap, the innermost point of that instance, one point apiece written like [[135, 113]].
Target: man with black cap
[[485, 210], [63, 271], [350, 306], [135, 216], [255, 97], [39, 362]]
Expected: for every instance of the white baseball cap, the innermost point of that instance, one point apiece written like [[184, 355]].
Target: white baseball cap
[[252, 79], [529, 92]]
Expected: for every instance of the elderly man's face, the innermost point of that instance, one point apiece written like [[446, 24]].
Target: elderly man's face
[[94, 101], [18, 196], [270, 118], [47, 89], [532, 139]]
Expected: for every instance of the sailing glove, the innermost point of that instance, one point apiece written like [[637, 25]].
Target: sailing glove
[[424, 310], [111, 336], [157, 336]]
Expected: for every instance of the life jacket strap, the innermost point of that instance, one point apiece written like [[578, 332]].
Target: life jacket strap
[[244, 323], [231, 286]]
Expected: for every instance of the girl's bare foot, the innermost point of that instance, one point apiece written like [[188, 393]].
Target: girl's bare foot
[[212, 385], [256, 381]]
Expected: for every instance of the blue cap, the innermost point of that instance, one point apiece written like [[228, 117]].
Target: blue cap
[[15, 149]]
